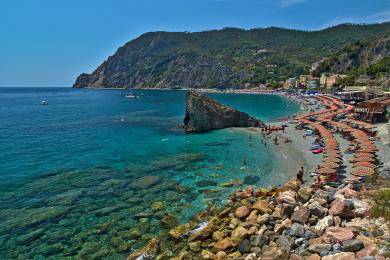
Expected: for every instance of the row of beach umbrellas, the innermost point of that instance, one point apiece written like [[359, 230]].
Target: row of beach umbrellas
[[364, 161]]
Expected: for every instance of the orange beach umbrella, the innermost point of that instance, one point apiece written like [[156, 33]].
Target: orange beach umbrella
[[326, 171]]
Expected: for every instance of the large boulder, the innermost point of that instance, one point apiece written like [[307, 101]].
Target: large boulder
[[362, 207], [297, 230], [223, 245], [238, 234], [317, 210], [324, 223], [337, 235], [319, 248], [242, 212], [287, 197], [342, 208], [205, 114], [347, 192], [353, 245], [262, 206], [304, 194], [300, 216]]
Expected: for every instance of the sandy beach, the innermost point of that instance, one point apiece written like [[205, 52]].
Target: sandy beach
[[291, 156]]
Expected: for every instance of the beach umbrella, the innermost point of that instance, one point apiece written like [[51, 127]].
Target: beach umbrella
[[364, 159], [367, 146], [364, 164], [362, 171], [329, 164], [329, 154], [332, 159], [370, 155], [326, 171]]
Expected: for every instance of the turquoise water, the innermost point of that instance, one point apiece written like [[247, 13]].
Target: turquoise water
[[97, 174]]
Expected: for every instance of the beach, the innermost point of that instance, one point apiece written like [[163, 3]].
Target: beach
[[330, 218]]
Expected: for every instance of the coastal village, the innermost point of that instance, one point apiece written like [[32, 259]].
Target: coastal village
[[335, 208]]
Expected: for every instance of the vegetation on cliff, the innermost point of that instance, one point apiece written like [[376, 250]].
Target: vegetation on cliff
[[228, 57], [364, 58]]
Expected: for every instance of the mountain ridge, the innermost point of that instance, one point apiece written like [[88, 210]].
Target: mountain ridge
[[227, 57]]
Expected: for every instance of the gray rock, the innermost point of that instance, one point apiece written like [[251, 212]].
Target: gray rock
[[286, 242], [310, 234], [368, 257], [205, 114], [353, 245], [318, 248], [301, 250], [259, 240], [271, 235], [297, 230], [256, 250], [337, 248], [324, 253], [299, 241], [316, 209], [245, 246]]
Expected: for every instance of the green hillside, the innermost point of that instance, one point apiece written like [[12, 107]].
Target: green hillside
[[228, 57]]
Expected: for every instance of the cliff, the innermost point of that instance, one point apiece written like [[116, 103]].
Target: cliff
[[228, 57], [204, 114], [363, 55]]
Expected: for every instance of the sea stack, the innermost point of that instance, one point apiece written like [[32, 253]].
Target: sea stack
[[204, 114]]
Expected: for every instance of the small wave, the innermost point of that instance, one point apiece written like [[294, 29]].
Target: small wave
[[200, 227]]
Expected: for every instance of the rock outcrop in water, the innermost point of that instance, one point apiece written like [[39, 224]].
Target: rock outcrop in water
[[205, 114]]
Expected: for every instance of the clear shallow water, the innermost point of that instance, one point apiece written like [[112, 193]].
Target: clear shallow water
[[85, 175]]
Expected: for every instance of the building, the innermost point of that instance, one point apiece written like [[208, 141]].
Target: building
[[323, 78], [373, 110], [329, 81], [290, 83], [303, 79], [360, 93], [313, 83]]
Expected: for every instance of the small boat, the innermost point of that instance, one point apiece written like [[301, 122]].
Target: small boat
[[131, 95], [44, 103]]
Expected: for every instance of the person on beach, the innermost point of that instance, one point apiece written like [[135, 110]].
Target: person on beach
[[300, 174]]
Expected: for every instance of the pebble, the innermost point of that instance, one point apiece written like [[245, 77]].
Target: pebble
[[245, 246], [297, 230]]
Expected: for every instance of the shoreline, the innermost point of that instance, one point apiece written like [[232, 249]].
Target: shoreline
[[296, 220]]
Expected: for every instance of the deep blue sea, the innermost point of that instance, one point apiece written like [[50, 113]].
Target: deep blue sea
[[95, 174]]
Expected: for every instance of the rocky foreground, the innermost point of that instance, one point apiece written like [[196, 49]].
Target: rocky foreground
[[292, 222], [205, 114]]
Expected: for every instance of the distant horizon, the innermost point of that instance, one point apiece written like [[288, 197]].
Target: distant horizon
[[51, 43]]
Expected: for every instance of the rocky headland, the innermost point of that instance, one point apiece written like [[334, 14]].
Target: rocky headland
[[205, 114], [229, 57], [292, 222]]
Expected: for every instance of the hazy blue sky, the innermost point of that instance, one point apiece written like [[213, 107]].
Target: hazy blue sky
[[49, 42]]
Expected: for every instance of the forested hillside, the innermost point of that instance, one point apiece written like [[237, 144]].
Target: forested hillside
[[228, 57]]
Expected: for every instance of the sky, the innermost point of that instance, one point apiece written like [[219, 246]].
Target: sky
[[49, 43]]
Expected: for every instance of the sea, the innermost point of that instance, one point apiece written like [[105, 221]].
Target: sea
[[95, 174]]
